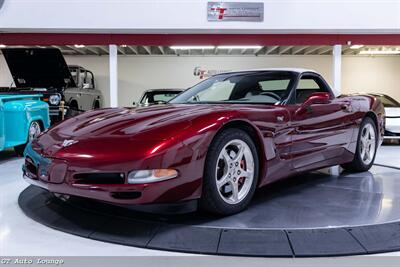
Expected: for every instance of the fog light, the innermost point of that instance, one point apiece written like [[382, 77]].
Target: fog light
[[151, 176]]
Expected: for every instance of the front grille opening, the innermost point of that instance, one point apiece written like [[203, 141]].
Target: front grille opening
[[99, 178], [126, 195], [30, 167]]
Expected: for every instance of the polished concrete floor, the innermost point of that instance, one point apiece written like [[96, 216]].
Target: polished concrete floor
[[20, 235]]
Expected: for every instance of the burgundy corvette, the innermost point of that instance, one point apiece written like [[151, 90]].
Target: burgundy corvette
[[213, 144]]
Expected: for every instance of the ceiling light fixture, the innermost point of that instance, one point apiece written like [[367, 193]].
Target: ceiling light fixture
[[79, 46], [239, 47], [379, 52], [356, 46], [3, 46], [123, 45], [176, 47]]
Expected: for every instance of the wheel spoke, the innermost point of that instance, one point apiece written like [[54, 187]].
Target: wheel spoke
[[239, 155], [224, 180], [235, 191], [226, 157], [246, 174]]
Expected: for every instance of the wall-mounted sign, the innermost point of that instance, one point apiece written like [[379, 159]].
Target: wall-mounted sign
[[235, 11], [204, 73]]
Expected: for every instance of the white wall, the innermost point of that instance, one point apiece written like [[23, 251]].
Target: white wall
[[138, 73], [127, 16]]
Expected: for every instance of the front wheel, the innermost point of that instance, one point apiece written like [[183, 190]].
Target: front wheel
[[230, 174], [367, 144], [33, 132]]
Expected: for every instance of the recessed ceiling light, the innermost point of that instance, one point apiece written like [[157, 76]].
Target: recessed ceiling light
[[239, 47], [379, 52], [176, 47], [79, 46], [123, 45], [356, 46], [3, 46]]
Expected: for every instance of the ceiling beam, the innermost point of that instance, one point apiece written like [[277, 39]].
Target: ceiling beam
[[324, 50], [161, 50], [284, 49], [147, 48], [312, 49], [121, 50], [102, 48], [94, 51], [299, 49], [258, 50], [133, 49], [271, 49], [77, 50]]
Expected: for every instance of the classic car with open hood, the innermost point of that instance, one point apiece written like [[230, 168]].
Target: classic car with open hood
[[67, 89], [213, 144]]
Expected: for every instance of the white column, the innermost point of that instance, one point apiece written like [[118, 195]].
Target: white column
[[337, 84], [113, 65], [337, 69]]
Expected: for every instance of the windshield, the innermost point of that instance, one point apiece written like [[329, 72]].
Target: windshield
[[269, 87], [158, 97]]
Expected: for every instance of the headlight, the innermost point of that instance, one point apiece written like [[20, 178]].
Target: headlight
[[55, 99], [151, 176]]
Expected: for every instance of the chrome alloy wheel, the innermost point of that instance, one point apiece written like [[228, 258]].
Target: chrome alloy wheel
[[235, 171], [367, 143], [34, 130]]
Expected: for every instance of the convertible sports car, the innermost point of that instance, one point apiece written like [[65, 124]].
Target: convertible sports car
[[214, 144]]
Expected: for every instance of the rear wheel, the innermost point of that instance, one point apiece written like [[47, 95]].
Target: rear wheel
[[33, 132], [367, 144], [231, 173], [73, 110]]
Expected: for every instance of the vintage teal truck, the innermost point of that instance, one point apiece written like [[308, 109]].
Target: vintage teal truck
[[22, 118]]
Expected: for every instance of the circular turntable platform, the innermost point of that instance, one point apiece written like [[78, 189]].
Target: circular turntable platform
[[315, 214]]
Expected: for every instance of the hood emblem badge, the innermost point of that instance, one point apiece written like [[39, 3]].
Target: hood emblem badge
[[280, 118], [67, 143]]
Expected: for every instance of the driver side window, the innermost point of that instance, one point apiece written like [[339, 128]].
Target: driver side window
[[309, 84]]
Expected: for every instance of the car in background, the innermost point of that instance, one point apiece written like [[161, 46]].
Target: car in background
[[69, 90], [157, 96], [392, 117], [211, 145], [22, 118]]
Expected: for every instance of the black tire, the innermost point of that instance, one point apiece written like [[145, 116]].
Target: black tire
[[211, 200], [96, 105], [357, 165], [21, 148], [72, 111]]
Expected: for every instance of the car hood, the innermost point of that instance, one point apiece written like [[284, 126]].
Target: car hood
[[38, 67], [119, 125], [392, 112]]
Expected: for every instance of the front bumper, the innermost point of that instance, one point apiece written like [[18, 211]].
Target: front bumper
[[56, 176]]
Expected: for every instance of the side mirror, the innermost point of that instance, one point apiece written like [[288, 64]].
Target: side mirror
[[315, 98]]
